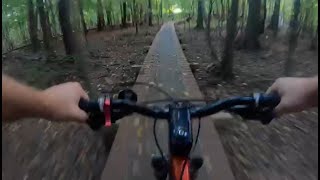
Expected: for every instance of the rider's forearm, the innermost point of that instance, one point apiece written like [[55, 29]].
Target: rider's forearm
[[21, 101]]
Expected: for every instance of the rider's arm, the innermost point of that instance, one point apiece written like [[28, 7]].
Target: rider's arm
[[55, 103], [297, 94]]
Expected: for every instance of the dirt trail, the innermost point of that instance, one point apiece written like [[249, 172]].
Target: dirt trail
[[39, 149], [285, 149]]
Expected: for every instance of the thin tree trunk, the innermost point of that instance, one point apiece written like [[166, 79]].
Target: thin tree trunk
[[135, 13], [227, 60], [85, 30], [124, 14], [293, 37], [160, 9], [150, 12], [33, 23], [47, 36], [73, 38], [243, 15], [200, 15], [263, 19], [109, 16], [69, 39], [274, 24], [252, 29], [54, 22], [100, 16], [212, 49], [314, 41]]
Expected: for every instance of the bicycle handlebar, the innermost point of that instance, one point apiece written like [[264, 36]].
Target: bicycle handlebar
[[259, 106]]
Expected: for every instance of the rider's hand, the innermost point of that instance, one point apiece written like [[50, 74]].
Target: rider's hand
[[297, 94], [61, 102]]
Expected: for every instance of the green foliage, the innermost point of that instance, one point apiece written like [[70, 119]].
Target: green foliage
[[15, 18]]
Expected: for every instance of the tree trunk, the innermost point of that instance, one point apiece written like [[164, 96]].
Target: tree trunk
[[135, 15], [85, 30], [160, 9], [227, 60], [263, 18], [141, 14], [200, 15], [124, 14], [314, 41], [33, 23], [54, 22], [47, 36], [212, 49], [69, 37], [293, 37], [307, 16], [73, 38], [100, 16], [150, 12], [274, 24], [109, 16], [252, 29], [243, 15]]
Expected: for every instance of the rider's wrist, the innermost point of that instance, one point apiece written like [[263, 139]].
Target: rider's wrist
[[45, 107], [312, 95]]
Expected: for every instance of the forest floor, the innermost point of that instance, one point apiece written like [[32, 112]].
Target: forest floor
[[285, 149], [40, 149]]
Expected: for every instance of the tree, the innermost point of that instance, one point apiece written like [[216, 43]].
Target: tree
[[252, 29], [71, 40], [135, 16], [45, 26], [109, 14], [160, 9], [200, 15], [212, 50], [85, 30], [274, 24], [124, 14], [227, 60], [100, 16], [263, 18], [314, 40], [33, 23], [293, 37], [150, 12], [140, 14]]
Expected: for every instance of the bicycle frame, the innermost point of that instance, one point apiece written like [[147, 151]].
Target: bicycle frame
[[180, 165], [180, 141]]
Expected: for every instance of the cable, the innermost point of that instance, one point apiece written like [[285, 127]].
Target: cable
[[156, 139], [194, 146], [198, 133]]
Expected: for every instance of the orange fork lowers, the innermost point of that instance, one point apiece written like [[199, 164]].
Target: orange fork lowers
[[177, 164]]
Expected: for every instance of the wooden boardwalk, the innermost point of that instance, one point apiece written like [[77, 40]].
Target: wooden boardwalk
[[130, 156]]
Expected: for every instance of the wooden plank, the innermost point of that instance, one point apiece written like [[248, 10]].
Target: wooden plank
[[133, 146]]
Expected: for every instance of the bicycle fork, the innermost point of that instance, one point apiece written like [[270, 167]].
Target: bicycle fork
[[161, 167]]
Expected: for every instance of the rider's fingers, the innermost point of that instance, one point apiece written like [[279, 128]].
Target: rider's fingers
[[272, 89], [80, 115]]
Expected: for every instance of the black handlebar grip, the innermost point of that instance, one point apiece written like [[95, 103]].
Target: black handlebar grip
[[88, 106], [96, 118], [270, 100]]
